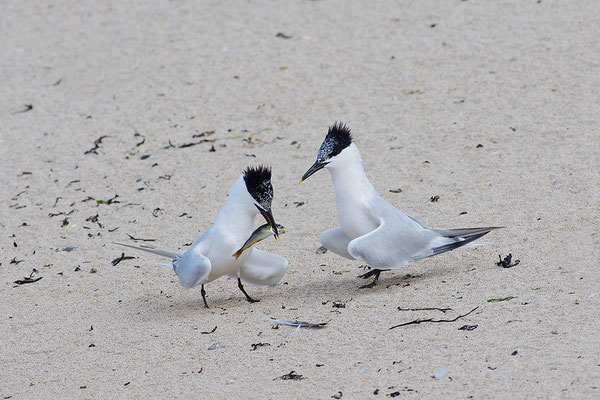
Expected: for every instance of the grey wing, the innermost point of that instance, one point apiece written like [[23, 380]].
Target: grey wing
[[192, 268], [389, 247], [399, 240]]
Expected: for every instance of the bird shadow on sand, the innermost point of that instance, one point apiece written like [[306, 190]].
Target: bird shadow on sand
[[225, 298], [349, 285]]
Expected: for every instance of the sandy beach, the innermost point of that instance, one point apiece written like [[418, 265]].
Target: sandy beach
[[125, 120]]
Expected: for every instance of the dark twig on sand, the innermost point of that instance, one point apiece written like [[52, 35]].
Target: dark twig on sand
[[419, 321], [28, 107], [28, 279], [426, 309], [283, 35], [257, 345], [140, 239], [290, 376], [467, 327], [122, 258], [97, 142], [208, 333]]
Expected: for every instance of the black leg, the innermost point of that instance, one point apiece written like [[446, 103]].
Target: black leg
[[203, 292], [250, 299], [370, 274], [375, 272]]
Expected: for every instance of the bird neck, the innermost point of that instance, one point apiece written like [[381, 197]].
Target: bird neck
[[350, 182], [239, 211]]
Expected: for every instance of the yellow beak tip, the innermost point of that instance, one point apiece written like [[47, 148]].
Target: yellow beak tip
[[301, 180]]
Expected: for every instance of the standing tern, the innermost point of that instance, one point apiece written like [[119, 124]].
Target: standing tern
[[372, 230], [211, 256]]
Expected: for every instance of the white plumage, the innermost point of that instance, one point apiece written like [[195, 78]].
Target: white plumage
[[371, 229], [211, 255]]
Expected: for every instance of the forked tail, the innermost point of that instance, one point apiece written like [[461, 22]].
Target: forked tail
[[463, 236], [465, 232], [460, 238]]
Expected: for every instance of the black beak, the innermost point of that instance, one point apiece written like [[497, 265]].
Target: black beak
[[315, 167], [268, 216]]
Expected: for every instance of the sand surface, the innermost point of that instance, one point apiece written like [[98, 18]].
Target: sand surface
[[422, 84]]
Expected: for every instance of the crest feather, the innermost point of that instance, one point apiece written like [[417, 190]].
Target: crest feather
[[337, 139], [258, 184]]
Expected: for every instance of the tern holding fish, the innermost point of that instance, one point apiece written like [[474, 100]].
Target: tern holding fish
[[210, 256], [371, 229], [261, 233]]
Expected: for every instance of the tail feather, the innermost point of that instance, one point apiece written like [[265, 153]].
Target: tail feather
[[455, 245], [461, 237], [172, 254], [465, 232], [170, 266]]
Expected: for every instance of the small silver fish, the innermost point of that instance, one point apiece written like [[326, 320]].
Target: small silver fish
[[298, 324], [261, 233]]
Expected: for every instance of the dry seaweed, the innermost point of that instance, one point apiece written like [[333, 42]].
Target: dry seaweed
[[507, 261], [97, 142], [290, 376], [208, 333], [28, 279], [420, 321], [122, 258]]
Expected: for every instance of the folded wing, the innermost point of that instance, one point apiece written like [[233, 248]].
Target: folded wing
[[401, 239], [335, 240], [192, 268], [262, 268]]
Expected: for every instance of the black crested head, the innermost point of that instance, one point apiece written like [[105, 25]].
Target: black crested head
[[337, 139], [258, 184]]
